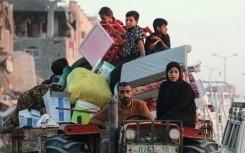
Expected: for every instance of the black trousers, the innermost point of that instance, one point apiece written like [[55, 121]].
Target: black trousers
[[116, 73]]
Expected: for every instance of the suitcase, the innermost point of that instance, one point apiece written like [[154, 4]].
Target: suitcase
[[30, 140]]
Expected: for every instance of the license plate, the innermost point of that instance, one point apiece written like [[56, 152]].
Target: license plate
[[151, 149]]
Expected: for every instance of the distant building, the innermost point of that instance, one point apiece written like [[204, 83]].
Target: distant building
[[49, 31]]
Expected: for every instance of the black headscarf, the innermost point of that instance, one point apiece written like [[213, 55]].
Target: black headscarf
[[171, 65], [176, 99], [173, 86]]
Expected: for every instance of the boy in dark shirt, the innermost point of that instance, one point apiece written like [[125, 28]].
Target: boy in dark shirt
[[133, 47], [159, 40], [134, 38]]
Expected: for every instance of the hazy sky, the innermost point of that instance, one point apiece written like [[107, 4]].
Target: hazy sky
[[209, 26]]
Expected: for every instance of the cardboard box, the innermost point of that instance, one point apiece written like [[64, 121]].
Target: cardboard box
[[52, 100], [82, 105], [28, 118]]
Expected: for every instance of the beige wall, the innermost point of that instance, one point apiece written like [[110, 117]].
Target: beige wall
[[6, 28], [23, 76]]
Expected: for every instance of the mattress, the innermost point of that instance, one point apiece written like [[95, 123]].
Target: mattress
[[147, 87], [151, 94], [194, 68], [151, 68]]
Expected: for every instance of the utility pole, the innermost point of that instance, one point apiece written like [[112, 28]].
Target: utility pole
[[224, 58]]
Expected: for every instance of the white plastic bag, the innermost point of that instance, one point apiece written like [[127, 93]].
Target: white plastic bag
[[46, 121]]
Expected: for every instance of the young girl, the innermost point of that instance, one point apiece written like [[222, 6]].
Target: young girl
[[106, 16]]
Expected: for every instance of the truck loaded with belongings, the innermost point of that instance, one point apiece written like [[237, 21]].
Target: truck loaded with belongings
[[66, 107]]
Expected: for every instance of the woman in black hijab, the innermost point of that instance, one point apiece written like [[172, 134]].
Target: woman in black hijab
[[176, 98]]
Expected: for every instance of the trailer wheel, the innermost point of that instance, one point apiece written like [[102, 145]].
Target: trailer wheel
[[200, 146], [63, 144]]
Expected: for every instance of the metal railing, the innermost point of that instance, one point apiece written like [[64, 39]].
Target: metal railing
[[219, 99]]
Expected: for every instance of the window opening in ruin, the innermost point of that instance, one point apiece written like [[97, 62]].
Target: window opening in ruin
[[6, 19], [63, 30], [35, 52], [30, 24]]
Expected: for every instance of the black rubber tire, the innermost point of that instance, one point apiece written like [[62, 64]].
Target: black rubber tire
[[200, 146], [63, 144]]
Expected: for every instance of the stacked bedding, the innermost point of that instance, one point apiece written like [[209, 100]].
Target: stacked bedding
[[151, 68]]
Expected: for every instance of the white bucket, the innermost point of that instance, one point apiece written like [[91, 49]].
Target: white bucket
[[82, 105]]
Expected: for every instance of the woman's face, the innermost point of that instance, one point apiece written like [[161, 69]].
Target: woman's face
[[173, 74]]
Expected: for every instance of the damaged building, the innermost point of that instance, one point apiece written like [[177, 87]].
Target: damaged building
[[6, 28], [48, 30], [17, 69]]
